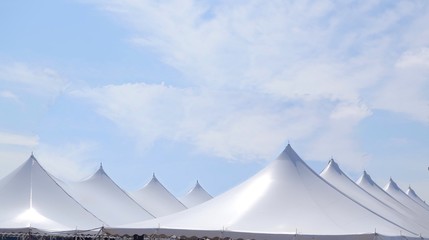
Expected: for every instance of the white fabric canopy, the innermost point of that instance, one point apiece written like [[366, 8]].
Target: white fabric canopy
[[156, 199], [195, 196], [366, 182], [393, 189], [103, 197], [31, 198], [410, 192], [285, 198], [335, 176]]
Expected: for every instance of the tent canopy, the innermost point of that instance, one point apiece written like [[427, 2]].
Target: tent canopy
[[156, 199], [335, 176], [195, 196], [30, 197], [286, 197], [102, 196]]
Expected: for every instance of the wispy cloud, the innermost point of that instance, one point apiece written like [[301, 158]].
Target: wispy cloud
[[70, 162], [8, 95], [260, 73], [15, 148], [18, 139], [20, 78]]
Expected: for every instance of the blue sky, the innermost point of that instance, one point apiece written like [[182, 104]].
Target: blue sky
[[214, 90]]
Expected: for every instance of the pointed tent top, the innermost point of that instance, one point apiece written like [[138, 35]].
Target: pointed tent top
[[32, 159], [195, 196], [411, 191], [154, 179], [365, 178], [100, 170], [392, 184], [334, 166], [197, 185], [32, 156], [289, 154]]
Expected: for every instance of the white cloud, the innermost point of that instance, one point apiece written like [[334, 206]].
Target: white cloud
[[417, 58], [70, 162], [18, 139], [8, 95], [406, 89], [207, 119], [29, 79], [233, 125], [277, 70]]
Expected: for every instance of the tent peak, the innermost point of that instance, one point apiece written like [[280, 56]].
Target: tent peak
[[392, 184], [100, 170], [289, 154], [334, 166], [365, 177], [154, 178], [411, 191]]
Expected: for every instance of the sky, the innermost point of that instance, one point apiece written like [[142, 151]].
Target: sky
[[214, 90]]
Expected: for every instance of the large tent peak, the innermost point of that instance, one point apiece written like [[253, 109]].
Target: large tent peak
[[289, 154], [30, 196], [154, 179], [100, 170]]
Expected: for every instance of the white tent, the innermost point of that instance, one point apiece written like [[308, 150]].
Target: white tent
[[335, 176], [103, 197], [31, 199], [366, 182], [195, 196], [156, 199], [410, 192], [284, 199], [393, 189]]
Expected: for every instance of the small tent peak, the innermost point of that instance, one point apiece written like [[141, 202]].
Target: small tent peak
[[366, 178], [392, 184], [411, 191], [334, 166]]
